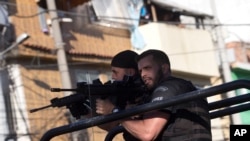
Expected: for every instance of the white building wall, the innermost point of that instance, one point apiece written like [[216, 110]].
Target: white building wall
[[3, 121], [19, 104], [189, 50]]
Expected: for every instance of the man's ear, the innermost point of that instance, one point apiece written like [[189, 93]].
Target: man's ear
[[131, 72], [164, 68]]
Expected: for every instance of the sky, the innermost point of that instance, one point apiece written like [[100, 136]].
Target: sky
[[235, 12]]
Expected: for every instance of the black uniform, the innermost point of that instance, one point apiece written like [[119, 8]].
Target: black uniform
[[189, 121]]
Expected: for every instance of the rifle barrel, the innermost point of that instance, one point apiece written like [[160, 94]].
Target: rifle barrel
[[37, 109], [60, 89]]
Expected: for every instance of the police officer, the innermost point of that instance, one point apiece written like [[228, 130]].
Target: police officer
[[188, 121], [122, 64]]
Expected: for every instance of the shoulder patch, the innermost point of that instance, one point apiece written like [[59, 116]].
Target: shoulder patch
[[157, 99], [161, 89]]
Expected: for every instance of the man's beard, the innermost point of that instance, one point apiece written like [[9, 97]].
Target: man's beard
[[158, 79]]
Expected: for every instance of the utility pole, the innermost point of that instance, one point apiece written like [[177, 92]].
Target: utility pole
[[61, 55], [225, 65], [59, 46]]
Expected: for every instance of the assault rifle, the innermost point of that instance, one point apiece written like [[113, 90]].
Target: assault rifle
[[128, 89]]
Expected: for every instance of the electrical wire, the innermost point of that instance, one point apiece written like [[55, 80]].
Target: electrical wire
[[120, 18], [106, 17], [75, 14]]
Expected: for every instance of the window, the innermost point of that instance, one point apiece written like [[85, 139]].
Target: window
[[89, 75], [86, 76], [118, 13]]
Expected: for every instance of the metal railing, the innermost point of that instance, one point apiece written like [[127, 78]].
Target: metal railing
[[213, 114], [202, 93]]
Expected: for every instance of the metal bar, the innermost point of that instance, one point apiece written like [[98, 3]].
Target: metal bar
[[220, 113], [83, 124], [230, 110], [229, 101], [112, 133]]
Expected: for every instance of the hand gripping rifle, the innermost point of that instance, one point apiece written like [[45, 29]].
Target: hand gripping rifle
[[129, 89]]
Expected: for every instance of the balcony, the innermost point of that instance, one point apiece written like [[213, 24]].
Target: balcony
[[189, 50]]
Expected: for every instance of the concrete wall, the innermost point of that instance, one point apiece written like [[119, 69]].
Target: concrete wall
[[189, 50]]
